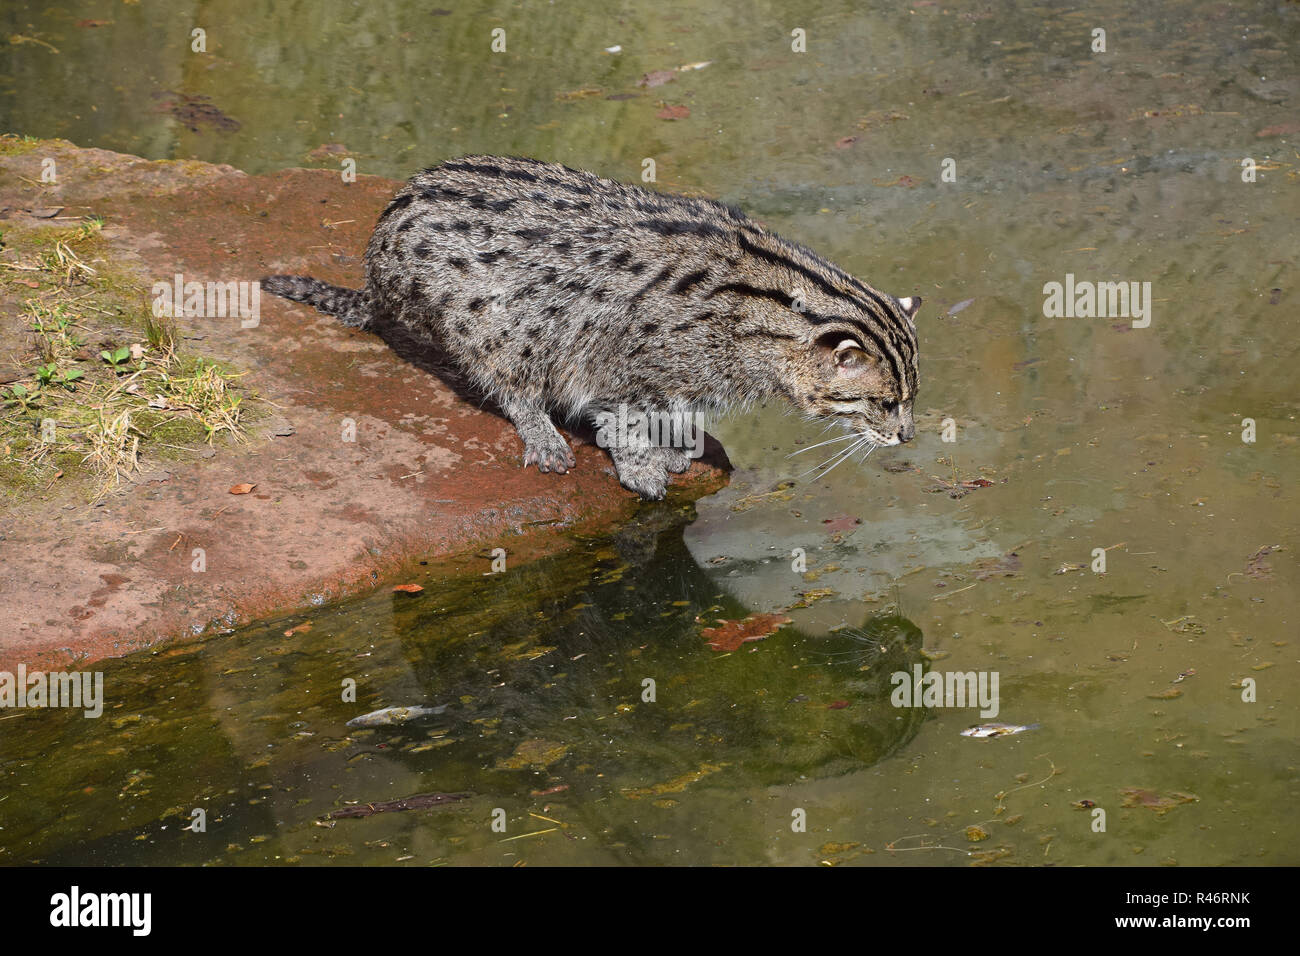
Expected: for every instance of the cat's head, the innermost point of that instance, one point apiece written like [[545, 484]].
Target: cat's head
[[861, 371]]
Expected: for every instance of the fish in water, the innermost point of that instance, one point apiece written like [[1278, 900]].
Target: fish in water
[[391, 716], [997, 730]]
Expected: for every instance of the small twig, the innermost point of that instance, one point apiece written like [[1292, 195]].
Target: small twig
[[1001, 797], [941, 597], [522, 835]]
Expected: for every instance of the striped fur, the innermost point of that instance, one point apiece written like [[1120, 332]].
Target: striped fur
[[562, 293]]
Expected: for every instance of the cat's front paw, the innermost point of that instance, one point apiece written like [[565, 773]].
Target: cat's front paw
[[549, 454]]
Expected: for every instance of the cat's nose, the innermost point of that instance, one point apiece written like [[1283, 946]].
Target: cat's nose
[[907, 432]]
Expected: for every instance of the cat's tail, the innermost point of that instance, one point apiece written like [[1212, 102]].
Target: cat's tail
[[351, 306]]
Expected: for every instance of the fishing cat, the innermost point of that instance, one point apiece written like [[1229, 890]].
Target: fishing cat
[[558, 292]]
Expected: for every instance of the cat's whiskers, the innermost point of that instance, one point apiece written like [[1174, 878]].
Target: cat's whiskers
[[829, 441], [836, 459]]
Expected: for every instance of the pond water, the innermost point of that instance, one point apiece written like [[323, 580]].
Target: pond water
[[1099, 532]]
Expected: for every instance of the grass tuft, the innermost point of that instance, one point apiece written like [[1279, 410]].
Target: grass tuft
[[98, 411]]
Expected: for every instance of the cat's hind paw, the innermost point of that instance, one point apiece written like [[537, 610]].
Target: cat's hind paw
[[641, 470], [652, 486], [674, 460]]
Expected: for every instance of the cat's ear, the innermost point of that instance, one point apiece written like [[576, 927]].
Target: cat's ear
[[910, 306], [852, 359]]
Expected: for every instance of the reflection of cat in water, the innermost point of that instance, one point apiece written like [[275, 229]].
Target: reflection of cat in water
[[563, 648]]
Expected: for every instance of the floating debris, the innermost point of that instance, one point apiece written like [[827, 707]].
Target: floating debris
[[1257, 567], [676, 785], [534, 755], [1151, 800], [997, 730], [195, 112], [731, 634], [656, 78], [418, 802], [673, 112]]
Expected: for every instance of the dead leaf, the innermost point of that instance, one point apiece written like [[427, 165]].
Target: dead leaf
[[535, 754], [731, 634], [656, 78], [327, 151], [1283, 129], [841, 522], [1257, 567], [907, 182], [558, 788], [676, 785], [1169, 694], [408, 588], [830, 849], [808, 598], [241, 489], [1151, 800], [844, 142], [673, 113], [298, 629], [1007, 566]]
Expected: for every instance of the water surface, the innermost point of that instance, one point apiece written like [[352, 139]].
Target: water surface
[[1091, 434]]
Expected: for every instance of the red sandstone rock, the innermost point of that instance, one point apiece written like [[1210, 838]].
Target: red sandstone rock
[[429, 475]]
